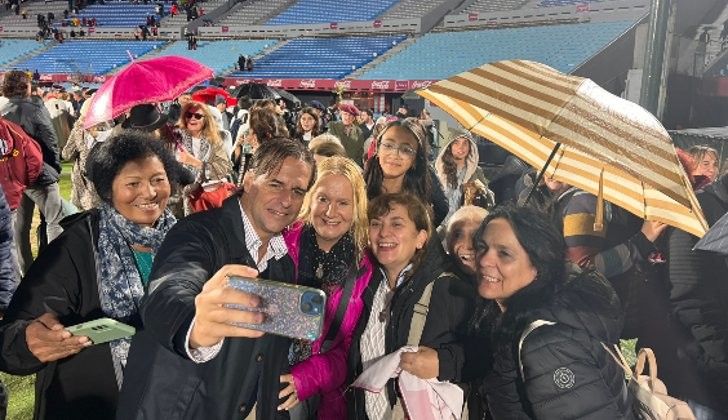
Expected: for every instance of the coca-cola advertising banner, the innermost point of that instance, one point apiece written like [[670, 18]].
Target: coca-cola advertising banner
[[330, 84]]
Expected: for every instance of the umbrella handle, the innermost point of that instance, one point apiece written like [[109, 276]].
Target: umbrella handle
[[541, 174]]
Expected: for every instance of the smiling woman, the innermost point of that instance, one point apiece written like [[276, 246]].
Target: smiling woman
[[328, 247], [96, 268], [561, 369], [412, 272]]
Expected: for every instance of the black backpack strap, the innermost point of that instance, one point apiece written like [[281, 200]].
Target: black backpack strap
[[351, 277]]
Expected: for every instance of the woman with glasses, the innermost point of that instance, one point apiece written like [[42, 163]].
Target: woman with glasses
[[400, 165], [200, 148], [412, 299]]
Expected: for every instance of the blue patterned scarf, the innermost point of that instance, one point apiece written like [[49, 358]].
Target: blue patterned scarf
[[119, 282]]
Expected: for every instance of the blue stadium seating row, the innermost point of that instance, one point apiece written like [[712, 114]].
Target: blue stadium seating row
[[13, 49], [87, 57], [121, 14], [221, 56], [324, 58], [441, 55], [325, 11], [555, 3]]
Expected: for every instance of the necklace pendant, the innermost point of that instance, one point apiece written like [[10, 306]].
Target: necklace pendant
[[319, 271]]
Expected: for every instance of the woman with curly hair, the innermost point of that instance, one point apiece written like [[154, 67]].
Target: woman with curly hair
[[400, 165], [98, 267]]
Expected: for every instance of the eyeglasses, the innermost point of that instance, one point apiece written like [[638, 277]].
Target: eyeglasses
[[405, 150], [197, 115]]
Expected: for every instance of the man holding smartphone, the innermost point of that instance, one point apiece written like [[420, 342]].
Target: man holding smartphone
[[189, 361]]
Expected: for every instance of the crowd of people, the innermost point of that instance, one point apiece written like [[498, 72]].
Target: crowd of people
[[421, 262]]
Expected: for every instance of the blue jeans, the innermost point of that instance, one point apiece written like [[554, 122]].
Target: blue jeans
[[703, 412]]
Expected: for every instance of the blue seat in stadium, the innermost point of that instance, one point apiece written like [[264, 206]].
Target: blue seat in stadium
[[555, 3], [325, 11], [441, 55], [87, 57], [13, 49], [322, 58], [121, 14], [221, 56]]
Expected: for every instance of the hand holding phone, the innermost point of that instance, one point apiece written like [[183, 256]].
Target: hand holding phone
[[290, 310], [49, 341], [214, 320]]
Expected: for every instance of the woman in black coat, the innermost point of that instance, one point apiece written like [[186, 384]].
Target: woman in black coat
[[408, 260], [96, 268], [559, 370]]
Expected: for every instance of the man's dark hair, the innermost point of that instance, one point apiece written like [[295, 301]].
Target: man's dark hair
[[269, 157], [106, 159]]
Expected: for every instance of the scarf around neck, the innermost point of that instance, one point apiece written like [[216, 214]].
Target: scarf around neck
[[119, 282]]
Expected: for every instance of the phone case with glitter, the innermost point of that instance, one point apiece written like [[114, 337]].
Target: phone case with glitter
[[290, 310]]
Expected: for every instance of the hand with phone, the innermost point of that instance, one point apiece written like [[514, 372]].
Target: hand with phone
[[49, 341], [214, 317]]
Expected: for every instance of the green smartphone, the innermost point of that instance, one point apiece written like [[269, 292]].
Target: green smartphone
[[102, 330]]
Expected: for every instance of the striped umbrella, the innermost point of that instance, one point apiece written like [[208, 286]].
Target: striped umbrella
[[578, 133]]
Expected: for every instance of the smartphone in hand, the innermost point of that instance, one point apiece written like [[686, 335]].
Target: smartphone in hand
[[102, 330], [290, 310]]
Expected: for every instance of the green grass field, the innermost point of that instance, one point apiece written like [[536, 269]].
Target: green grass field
[[21, 387]]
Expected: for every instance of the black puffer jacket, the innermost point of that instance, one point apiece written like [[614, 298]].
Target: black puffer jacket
[[567, 372], [699, 303], [36, 122]]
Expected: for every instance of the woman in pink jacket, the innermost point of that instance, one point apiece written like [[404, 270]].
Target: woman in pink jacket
[[328, 246]]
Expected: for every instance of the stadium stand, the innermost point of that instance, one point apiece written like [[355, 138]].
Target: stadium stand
[[34, 8], [406, 9], [86, 57], [325, 58], [13, 49], [120, 14], [254, 12], [441, 55], [485, 6], [220, 56], [557, 3], [323, 11]]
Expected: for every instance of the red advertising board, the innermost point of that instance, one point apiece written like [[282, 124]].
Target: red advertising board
[[377, 23], [472, 16], [331, 84], [225, 28], [333, 25]]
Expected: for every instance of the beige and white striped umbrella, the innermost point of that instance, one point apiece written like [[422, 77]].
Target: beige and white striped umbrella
[[606, 145]]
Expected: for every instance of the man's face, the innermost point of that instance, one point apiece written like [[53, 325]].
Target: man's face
[[365, 117], [272, 201], [184, 98]]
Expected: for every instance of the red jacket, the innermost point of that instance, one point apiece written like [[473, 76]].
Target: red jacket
[[21, 161]]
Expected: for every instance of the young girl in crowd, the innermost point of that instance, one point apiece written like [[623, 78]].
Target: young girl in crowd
[[401, 165]]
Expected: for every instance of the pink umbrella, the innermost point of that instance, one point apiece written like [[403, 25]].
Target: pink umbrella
[[155, 80]]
